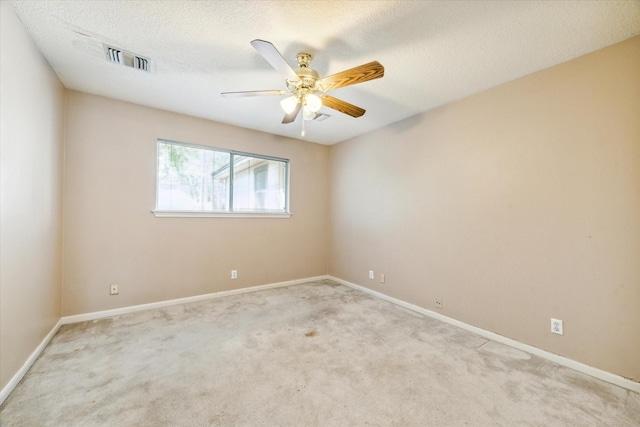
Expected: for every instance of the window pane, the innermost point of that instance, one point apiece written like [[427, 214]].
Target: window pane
[[192, 178], [221, 181], [184, 178], [259, 185]]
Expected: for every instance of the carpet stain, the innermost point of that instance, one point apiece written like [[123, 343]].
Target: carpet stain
[[311, 334]]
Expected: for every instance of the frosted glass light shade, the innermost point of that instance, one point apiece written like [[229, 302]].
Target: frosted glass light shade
[[289, 104], [314, 103]]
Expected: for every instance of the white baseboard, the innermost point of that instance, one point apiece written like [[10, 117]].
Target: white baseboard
[[132, 309], [560, 360], [7, 389]]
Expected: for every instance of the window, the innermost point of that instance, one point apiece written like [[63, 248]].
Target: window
[[193, 178]]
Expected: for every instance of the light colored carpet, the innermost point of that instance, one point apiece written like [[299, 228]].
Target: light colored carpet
[[317, 354]]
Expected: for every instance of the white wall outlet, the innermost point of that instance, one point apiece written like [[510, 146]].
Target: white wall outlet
[[438, 302], [556, 326], [234, 274], [114, 289], [371, 274], [382, 278]]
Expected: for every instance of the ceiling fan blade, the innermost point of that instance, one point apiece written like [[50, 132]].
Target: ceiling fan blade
[[252, 93], [290, 118], [363, 73], [273, 57], [342, 106]]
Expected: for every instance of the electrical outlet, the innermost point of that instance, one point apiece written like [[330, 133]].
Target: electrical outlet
[[234, 274], [556, 326], [371, 274], [114, 289], [438, 302], [382, 278]]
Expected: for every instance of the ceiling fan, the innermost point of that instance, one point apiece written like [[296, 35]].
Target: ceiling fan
[[304, 87]]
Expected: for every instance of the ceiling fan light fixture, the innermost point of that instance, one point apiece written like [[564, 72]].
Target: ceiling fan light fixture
[[313, 102], [289, 104]]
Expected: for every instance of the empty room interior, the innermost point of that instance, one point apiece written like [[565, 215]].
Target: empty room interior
[[320, 213]]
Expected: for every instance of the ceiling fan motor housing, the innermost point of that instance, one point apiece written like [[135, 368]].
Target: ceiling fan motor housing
[[309, 77]]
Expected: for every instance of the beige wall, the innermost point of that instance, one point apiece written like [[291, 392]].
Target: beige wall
[[31, 134], [111, 236], [514, 205]]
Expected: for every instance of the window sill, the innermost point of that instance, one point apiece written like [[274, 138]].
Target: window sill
[[191, 214]]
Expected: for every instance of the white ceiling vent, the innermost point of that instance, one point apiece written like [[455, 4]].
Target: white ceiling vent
[[128, 59]]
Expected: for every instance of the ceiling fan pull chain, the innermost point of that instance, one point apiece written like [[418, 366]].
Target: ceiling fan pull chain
[[302, 133]]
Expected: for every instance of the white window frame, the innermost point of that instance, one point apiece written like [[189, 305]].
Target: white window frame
[[222, 214]]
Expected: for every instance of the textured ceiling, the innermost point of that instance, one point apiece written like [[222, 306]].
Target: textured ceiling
[[433, 52]]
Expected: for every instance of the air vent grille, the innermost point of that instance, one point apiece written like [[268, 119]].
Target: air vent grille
[[141, 63], [114, 55], [127, 59]]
